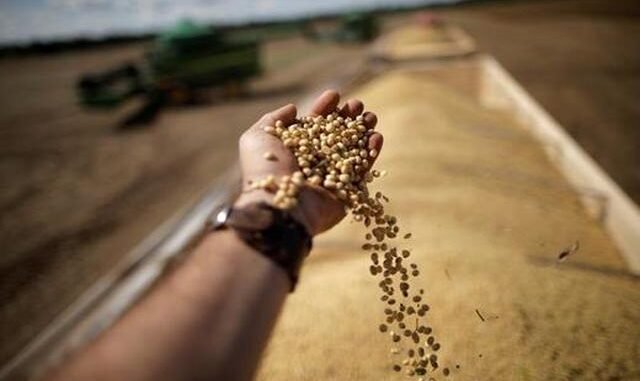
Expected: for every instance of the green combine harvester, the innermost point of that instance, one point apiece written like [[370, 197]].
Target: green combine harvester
[[182, 60]]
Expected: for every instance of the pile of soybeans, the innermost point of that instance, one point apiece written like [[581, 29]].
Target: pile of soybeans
[[332, 153]]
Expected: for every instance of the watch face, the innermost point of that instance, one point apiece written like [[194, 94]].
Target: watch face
[[222, 216], [219, 218]]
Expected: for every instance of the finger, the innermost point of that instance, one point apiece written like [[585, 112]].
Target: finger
[[375, 143], [286, 114], [326, 103], [352, 108], [370, 119]]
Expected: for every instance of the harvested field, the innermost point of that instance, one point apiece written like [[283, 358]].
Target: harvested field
[[489, 216]]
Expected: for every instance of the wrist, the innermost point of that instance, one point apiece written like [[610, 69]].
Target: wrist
[[300, 212]]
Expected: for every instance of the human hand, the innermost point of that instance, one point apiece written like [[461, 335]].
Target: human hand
[[317, 208]]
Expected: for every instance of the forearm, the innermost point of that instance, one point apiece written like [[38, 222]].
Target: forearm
[[210, 320]]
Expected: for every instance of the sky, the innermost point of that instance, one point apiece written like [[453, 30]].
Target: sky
[[25, 21]]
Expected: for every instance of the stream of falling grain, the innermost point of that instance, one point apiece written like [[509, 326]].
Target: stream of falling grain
[[413, 341]]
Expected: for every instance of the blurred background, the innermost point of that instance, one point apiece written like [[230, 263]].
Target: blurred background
[[115, 114]]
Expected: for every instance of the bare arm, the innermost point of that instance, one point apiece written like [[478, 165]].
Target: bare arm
[[211, 318]]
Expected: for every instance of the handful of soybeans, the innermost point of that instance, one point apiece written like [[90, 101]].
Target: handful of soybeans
[[332, 153]]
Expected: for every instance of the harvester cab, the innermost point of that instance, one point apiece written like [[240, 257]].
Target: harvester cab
[[193, 56]]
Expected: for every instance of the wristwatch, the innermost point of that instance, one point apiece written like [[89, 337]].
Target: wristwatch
[[271, 231]]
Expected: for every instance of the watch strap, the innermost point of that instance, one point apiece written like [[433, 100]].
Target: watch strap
[[274, 233]]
